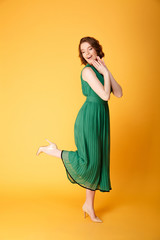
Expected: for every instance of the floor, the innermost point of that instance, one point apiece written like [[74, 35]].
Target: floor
[[44, 215]]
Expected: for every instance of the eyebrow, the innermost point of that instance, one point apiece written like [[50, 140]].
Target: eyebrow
[[87, 47]]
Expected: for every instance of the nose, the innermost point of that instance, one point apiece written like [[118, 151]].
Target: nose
[[87, 51]]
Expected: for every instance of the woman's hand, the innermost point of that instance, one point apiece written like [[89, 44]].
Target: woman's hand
[[100, 65]]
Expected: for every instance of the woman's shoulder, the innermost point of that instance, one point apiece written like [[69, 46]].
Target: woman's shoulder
[[91, 68], [86, 66]]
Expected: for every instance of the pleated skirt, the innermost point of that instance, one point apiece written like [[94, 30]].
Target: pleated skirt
[[89, 165]]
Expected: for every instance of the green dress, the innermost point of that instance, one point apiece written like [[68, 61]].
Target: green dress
[[89, 164]]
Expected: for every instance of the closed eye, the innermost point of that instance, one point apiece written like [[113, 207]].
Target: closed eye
[[89, 49]]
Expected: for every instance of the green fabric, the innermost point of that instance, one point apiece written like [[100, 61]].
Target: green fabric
[[89, 164]]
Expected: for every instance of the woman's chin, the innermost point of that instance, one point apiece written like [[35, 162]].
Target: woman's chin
[[90, 62]]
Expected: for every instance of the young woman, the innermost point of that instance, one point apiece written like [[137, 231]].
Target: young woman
[[89, 165]]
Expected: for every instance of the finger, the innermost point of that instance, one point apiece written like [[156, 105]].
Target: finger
[[96, 63], [98, 58], [100, 62], [103, 62]]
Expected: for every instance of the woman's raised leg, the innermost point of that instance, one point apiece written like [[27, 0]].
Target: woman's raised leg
[[55, 152]]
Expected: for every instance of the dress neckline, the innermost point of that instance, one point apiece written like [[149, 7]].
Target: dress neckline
[[90, 66]]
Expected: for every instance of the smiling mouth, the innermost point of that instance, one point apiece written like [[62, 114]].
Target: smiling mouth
[[89, 57]]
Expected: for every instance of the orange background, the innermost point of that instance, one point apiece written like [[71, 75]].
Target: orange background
[[40, 96]]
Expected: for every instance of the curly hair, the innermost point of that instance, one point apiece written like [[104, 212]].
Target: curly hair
[[95, 44]]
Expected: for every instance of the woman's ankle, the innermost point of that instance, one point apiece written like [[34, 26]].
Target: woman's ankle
[[89, 205]]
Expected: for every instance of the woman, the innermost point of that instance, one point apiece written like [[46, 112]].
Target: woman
[[89, 165]]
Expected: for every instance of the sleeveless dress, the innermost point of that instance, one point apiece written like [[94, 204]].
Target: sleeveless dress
[[89, 165]]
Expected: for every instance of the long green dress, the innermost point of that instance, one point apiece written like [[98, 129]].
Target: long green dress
[[89, 165]]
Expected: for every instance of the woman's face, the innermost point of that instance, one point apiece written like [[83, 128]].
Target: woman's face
[[88, 52]]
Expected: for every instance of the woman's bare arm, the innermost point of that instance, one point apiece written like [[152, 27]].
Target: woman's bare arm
[[100, 65], [107, 83], [90, 77], [116, 88]]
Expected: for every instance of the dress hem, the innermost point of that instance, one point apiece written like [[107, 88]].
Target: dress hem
[[79, 183]]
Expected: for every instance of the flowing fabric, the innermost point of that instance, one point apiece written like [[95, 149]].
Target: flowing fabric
[[89, 164]]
